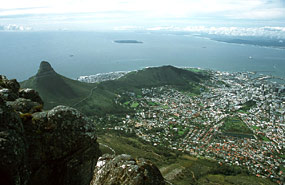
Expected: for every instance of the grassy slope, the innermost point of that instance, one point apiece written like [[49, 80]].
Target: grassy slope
[[178, 168], [102, 100], [157, 76], [56, 89]]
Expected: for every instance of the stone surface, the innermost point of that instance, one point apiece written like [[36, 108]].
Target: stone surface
[[13, 85], [63, 145], [13, 163], [31, 95], [8, 95], [125, 170], [24, 105], [53, 147]]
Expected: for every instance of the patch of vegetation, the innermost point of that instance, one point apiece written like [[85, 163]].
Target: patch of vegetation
[[255, 127], [26, 117], [235, 125], [233, 180], [127, 103], [165, 107], [152, 103], [219, 82], [264, 138], [134, 105], [180, 132], [248, 105]]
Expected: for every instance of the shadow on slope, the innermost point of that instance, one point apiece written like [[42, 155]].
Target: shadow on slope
[[56, 89]]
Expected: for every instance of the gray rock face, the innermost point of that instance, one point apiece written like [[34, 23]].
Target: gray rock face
[[63, 145], [8, 95], [24, 105], [13, 163], [125, 170], [31, 95], [54, 147], [9, 89], [13, 85]]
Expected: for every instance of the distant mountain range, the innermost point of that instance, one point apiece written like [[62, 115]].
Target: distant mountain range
[[248, 40], [56, 89]]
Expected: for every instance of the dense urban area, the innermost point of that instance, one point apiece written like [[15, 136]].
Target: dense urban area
[[236, 118]]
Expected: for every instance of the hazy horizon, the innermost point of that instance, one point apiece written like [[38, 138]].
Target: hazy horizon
[[136, 14]]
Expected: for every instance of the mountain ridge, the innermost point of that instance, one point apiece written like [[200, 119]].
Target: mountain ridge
[[56, 89]]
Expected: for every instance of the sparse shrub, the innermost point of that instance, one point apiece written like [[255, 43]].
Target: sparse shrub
[[26, 117], [37, 108]]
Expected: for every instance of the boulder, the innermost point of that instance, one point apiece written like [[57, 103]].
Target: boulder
[[13, 85], [23, 105], [53, 147], [13, 149], [31, 95], [125, 170], [8, 95], [63, 147]]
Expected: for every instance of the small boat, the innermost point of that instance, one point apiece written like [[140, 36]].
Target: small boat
[[250, 57]]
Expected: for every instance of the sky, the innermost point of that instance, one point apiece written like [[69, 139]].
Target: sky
[[114, 14]]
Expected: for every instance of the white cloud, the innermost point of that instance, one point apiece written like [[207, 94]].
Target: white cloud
[[14, 27], [267, 31], [130, 11]]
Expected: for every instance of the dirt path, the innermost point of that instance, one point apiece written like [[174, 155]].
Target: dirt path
[[114, 152], [90, 94]]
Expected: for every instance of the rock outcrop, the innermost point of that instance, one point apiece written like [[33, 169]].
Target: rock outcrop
[[31, 95], [13, 149], [125, 170], [53, 147], [58, 146]]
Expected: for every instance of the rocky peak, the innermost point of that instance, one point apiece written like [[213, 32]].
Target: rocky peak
[[45, 69]]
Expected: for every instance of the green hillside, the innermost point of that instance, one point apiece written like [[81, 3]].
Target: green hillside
[[56, 89], [156, 76], [94, 99], [102, 99]]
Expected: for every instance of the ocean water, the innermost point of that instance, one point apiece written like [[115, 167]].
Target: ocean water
[[84, 53]]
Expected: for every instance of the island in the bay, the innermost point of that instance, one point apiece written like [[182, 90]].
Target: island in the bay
[[128, 41]]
